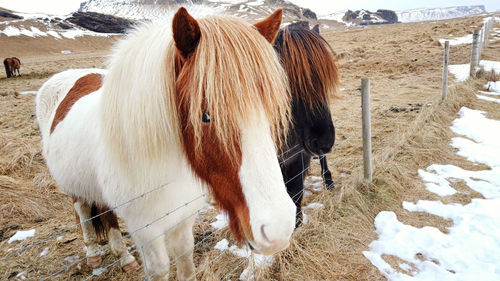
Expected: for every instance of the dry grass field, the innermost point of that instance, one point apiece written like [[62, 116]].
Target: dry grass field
[[409, 128]]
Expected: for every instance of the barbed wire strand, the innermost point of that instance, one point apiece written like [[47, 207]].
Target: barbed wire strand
[[84, 221], [126, 236]]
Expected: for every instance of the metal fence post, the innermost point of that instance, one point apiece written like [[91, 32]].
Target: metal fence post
[[367, 132], [445, 69]]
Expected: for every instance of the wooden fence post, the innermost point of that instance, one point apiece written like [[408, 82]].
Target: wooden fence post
[[480, 42], [474, 54], [445, 69], [367, 132]]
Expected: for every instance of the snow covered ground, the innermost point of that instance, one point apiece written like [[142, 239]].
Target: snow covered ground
[[461, 71], [470, 250], [58, 34], [467, 39], [22, 235]]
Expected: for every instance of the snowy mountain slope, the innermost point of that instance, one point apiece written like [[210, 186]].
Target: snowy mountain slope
[[439, 13], [251, 9], [425, 14]]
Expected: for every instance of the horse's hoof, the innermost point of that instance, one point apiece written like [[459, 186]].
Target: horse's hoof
[[131, 267], [94, 261], [330, 185]]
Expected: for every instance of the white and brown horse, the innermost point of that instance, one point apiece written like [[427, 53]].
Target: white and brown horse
[[105, 144]]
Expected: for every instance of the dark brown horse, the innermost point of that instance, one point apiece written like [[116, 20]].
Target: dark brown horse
[[12, 65], [311, 66]]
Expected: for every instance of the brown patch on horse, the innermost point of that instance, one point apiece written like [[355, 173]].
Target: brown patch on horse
[[310, 64], [103, 220], [222, 175], [83, 86], [270, 26]]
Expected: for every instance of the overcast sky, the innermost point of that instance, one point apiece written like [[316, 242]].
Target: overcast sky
[[62, 7]]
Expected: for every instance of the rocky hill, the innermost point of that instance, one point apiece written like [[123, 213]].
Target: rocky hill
[[99, 22], [365, 17]]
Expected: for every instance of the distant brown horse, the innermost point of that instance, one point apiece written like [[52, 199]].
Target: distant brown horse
[[11, 66]]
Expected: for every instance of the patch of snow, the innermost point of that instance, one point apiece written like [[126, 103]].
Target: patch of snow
[[59, 238], [460, 71], [37, 32], [313, 183], [44, 252], [489, 93], [489, 65], [98, 271], [21, 275], [493, 86], [485, 133], [28, 92], [408, 242], [467, 39], [469, 251], [222, 220], [65, 52], [71, 259], [256, 3], [255, 260], [26, 32], [305, 219], [22, 235], [485, 182], [436, 183], [488, 98], [337, 16], [11, 31], [313, 206], [72, 33], [54, 34]]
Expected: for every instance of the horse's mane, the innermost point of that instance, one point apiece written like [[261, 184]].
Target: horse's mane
[[310, 64], [233, 72]]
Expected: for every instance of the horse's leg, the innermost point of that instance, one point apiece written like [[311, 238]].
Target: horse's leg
[[83, 211], [325, 173], [294, 175], [150, 243], [180, 244], [116, 243]]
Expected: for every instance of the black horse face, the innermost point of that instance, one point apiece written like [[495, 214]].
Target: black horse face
[[313, 128]]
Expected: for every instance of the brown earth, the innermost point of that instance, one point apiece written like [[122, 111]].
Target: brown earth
[[404, 63]]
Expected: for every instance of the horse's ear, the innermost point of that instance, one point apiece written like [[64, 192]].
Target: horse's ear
[[270, 26], [186, 32], [315, 29]]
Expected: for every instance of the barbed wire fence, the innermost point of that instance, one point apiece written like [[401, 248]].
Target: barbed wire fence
[[480, 40]]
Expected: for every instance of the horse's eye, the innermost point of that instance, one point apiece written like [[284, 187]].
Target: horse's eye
[[206, 118]]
